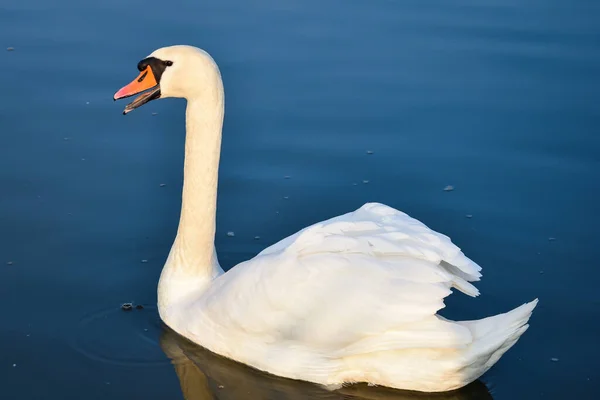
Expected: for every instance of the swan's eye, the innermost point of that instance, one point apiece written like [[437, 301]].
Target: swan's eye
[[168, 63]]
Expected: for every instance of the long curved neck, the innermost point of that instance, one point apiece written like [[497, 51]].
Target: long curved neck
[[192, 262], [196, 232]]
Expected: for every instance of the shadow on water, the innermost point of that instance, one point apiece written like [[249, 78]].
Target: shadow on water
[[205, 375]]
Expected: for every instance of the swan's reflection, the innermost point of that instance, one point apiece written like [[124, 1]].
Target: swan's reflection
[[204, 375]]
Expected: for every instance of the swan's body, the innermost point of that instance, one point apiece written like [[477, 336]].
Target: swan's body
[[351, 299]]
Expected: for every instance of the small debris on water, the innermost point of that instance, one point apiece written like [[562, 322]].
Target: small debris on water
[[154, 114], [83, 159], [221, 386], [162, 185], [145, 329], [541, 272], [369, 151], [87, 102], [554, 359], [66, 138], [256, 237], [354, 184], [365, 182], [449, 188], [469, 215], [286, 197], [144, 261], [551, 239], [10, 49], [14, 365], [126, 306], [287, 177], [9, 263], [139, 307], [231, 234]]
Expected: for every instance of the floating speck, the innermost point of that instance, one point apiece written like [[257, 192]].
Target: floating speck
[[287, 177], [139, 307], [365, 181], [108, 383], [469, 216], [145, 329], [276, 212], [87, 102], [554, 359], [354, 184], [286, 197], [14, 365], [256, 237], [230, 234], [154, 114], [162, 185], [449, 188], [221, 386], [551, 239], [66, 138], [28, 335], [126, 306], [144, 261], [83, 159], [369, 151], [10, 49], [9, 263], [541, 272]]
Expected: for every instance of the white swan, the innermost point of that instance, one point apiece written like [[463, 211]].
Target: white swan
[[350, 299]]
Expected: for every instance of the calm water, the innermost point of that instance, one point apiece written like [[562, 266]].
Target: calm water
[[497, 98]]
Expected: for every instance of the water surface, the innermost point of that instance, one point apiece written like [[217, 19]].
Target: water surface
[[499, 99]]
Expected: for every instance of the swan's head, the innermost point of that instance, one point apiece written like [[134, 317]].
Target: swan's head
[[175, 71]]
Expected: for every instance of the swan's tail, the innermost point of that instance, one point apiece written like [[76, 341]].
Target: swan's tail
[[436, 369], [493, 336]]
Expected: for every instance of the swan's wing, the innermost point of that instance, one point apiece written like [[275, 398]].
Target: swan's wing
[[383, 232], [366, 281]]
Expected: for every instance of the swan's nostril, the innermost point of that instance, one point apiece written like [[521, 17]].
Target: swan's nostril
[[141, 78]]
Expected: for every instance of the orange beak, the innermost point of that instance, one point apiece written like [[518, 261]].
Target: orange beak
[[143, 82]]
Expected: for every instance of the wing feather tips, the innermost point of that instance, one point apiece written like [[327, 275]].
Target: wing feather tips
[[400, 222], [464, 286]]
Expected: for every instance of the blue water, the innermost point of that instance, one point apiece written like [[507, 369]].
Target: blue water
[[499, 99]]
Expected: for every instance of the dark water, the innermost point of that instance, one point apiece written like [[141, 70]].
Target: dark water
[[498, 98]]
